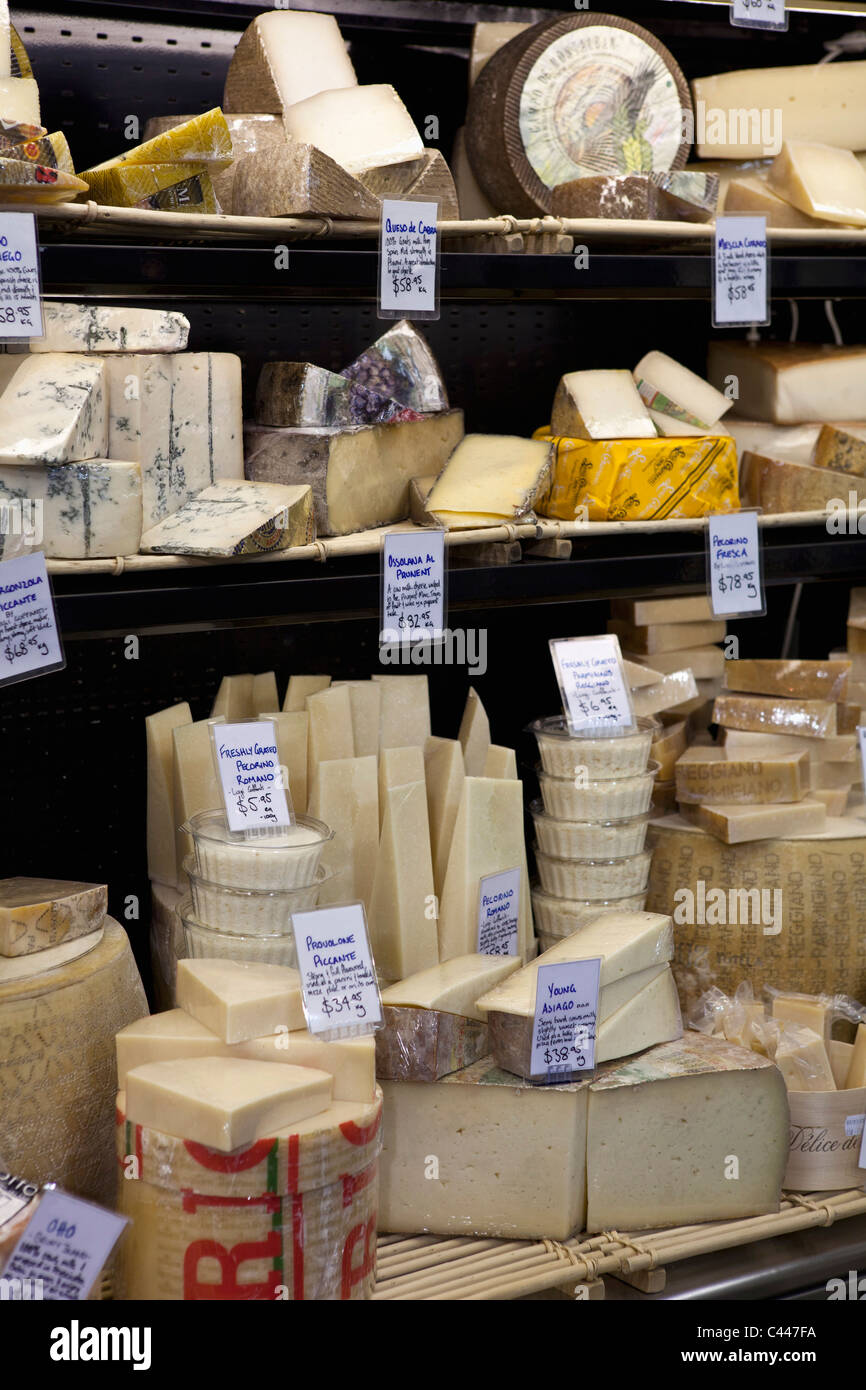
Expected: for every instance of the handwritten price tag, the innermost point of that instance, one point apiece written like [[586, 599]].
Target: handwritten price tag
[[734, 558], [413, 586], [740, 279], [29, 641], [250, 777], [64, 1246], [341, 997], [408, 260], [591, 681], [566, 1010], [20, 292], [499, 913], [759, 14]]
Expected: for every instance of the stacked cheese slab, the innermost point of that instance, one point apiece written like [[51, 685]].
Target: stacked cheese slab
[[171, 171], [237, 1126]]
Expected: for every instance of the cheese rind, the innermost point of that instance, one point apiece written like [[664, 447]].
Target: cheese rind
[[238, 1000], [235, 518], [298, 395], [90, 510], [84, 328], [284, 57], [797, 679], [645, 612], [754, 195], [300, 180], [38, 913], [704, 774], [841, 450], [55, 410], [420, 1044], [454, 985], [359, 127]]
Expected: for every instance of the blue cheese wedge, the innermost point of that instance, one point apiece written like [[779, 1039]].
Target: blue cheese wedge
[[91, 328], [84, 511], [55, 410], [235, 518]]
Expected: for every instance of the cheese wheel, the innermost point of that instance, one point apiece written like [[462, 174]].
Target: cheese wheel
[[571, 97], [57, 1066]]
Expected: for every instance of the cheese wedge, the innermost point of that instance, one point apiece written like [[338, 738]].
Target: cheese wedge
[[454, 985], [286, 56], [600, 405], [239, 999], [704, 774], [821, 180], [802, 1058], [666, 386], [806, 1011], [474, 735], [490, 479], [736, 823]]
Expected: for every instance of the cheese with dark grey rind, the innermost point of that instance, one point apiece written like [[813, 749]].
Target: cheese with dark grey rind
[[294, 394], [427, 177], [418, 1044], [235, 518], [678, 196], [295, 180], [401, 366], [90, 510], [581, 95]]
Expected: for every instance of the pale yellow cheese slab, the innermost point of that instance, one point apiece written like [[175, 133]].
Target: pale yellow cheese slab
[[240, 999]]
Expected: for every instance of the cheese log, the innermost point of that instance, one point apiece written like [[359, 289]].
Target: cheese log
[[55, 410], [284, 57], [344, 794], [599, 405], [90, 510], [418, 1044], [776, 715], [238, 1000], [666, 637], [235, 518], [856, 1075], [805, 1011], [666, 386], [802, 1058], [330, 715], [405, 712], [401, 366], [359, 477], [428, 179], [159, 730], [797, 679], [194, 779], [733, 822], [842, 451], [645, 612], [444, 771], [234, 699], [203, 139], [821, 180], [365, 699], [454, 985], [474, 735], [668, 693], [292, 729], [300, 687], [705, 775], [500, 762], [402, 926], [480, 1121], [490, 479], [302, 180], [82, 328], [817, 103], [754, 195], [696, 1102], [39, 913], [359, 127], [791, 383], [487, 839], [159, 187], [251, 133], [19, 100], [705, 663]]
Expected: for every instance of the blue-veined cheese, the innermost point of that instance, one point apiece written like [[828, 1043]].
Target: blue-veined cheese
[[55, 410], [85, 511], [96, 328], [235, 518]]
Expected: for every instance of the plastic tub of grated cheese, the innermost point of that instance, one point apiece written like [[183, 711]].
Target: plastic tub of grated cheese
[[557, 917], [594, 880], [585, 839], [287, 858], [603, 753], [576, 799], [203, 942], [250, 911]]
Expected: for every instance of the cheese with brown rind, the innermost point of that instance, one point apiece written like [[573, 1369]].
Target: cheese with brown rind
[[666, 637], [734, 822], [791, 383], [286, 56], [490, 479], [301, 180], [38, 913], [419, 1044], [427, 178], [779, 485], [704, 775], [766, 714], [358, 127], [794, 678]]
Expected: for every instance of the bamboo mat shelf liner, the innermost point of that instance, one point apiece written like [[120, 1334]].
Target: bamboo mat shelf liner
[[93, 217], [422, 1267], [369, 542]]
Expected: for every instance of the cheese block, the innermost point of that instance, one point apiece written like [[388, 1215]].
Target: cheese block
[[856, 1075], [194, 779], [453, 986], [705, 663], [694, 1103], [293, 731], [830, 776], [57, 1066], [251, 133], [403, 933], [703, 774], [284, 57], [22, 181], [805, 1011], [755, 195], [235, 518], [490, 479], [300, 687], [444, 771], [500, 762], [292, 394], [599, 405], [359, 477], [799, 679], [842, 451], [159, 187], [301, 180], [359, 127], [365, 700], [652, 611], [238, 1000], [405, 712], [487, 839], [330, 728], [265, 695], [234, 699], [474, 735], [520, 147], [802, 1057], [480, 1121], [55, 410], [794, 442], [419, 491], [667, 747], [89, 510], [418, 1044], [203, 139], [666, 637], [19, 100], [668, 693], [487, 39], [397, 768], [637, 674], [821, 180], [428, 179], [774, 715], [38, 913], [821, 101], [671, 389], [742, 743], [834, 801], [682, 196], [791, 383], [733, 822], [344, 794], [161, 843], [80, 328], [401, 366]]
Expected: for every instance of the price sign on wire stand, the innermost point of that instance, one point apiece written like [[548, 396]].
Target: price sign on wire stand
[[592, 681], [29, 639], [408, 260], [338, 980], [20, 285], [759, 14], [413, 587], [741, 272], [734, 569], [566, 1013]]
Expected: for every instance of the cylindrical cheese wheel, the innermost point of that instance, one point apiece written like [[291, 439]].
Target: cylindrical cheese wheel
[[585, 94], [57, 1066]]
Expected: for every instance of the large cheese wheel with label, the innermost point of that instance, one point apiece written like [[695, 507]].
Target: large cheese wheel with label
[[58, 1069], [585, 94]]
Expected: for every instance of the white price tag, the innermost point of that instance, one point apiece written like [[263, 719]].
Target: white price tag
[[413, 586], [29, 640], [566, 1009], [250, 776], [64, 1246], [734, 561], [338, 980], [15, 1195], [861, 740], [740, 272], [499, 913], [759, 14], [861, 1162], [591, 681], [854, 1125], [408, 260], [20, 292]]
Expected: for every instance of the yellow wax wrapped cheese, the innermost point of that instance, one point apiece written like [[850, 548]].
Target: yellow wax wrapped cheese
[[21, 181], [205, 139], [160, 187], [584, 474]]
